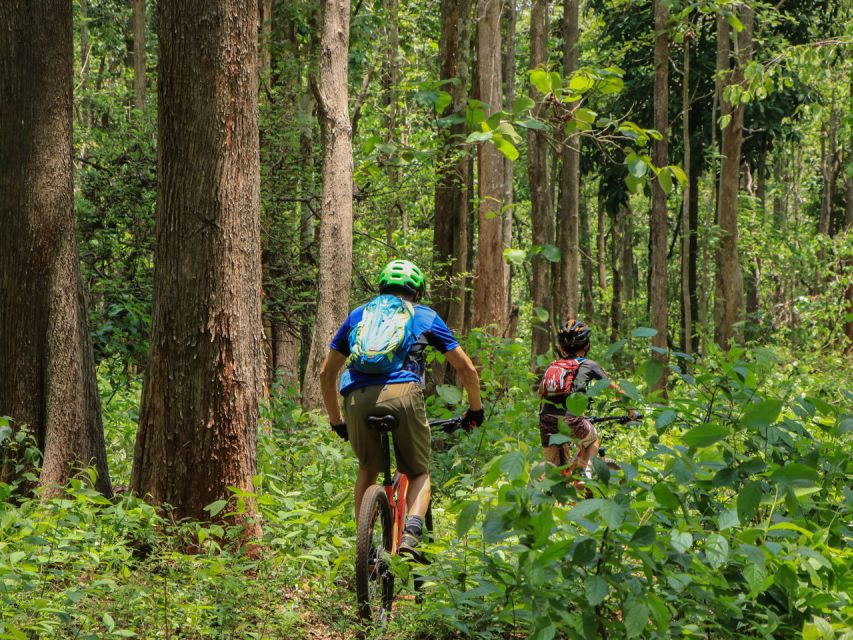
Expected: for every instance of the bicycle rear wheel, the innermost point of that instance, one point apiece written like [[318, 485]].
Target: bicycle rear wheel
[[374, 582]]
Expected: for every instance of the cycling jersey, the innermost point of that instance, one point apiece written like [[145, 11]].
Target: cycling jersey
[[429, 329]]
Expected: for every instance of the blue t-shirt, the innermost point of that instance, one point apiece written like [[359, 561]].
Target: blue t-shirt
[[429, 330]]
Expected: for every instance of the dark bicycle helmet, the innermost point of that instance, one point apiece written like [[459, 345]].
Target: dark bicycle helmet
[[573, 335]]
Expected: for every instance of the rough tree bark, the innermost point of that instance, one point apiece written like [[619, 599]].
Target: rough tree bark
[[489, 286], [335, 245], [541, 216], [658, 222], [198, 420], [510, 15], [728, 302], [264, 35], [47, 369], [138, 23], [568, 207], [687, 232], [450, 231]]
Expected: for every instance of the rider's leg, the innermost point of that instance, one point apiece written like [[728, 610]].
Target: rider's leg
[[417, 498], [365, 479], [552, 454], [587, 454]]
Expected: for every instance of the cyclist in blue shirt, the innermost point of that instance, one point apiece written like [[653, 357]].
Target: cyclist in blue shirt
[[398, 393]]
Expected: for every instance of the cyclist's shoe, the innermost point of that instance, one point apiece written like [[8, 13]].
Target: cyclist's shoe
[[409, 547]]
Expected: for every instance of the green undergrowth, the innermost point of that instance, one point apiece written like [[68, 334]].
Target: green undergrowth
[[730, 518]]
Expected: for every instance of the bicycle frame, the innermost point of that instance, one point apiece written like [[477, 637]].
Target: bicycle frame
[[396, 489]]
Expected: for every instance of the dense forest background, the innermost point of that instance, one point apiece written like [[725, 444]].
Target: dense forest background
[[193, 195]]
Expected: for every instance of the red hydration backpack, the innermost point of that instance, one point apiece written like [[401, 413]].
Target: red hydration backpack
[[559, 377]]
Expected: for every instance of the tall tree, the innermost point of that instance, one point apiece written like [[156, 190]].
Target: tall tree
[[658, 222], [335, 251], [138, 25], [541, 216], [47, 369], [198, 421], [568, 209], [728, 302], [510, 19], [686, 228], [489, 287], [450, 234]]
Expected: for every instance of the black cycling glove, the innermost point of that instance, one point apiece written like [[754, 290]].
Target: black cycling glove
[[473, 419], [341, 430]]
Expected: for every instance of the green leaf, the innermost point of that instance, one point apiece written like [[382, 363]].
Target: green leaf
[[644, 332], [541, 80], [515, 256], [512, 464], [636, 618], [541, 314], [725, 121], [681, 540], [449, 394], [665, 496], [580, 82], [748, 500], [716, 550], [679, 174], [576, 404], [795, 473], [596, 589], [705, 435], [531, 123], [735, 22], [756, 576], [585, 115], [551, 252], [818, 629], [506, 129], [547, 632], [652, 371], [467, 517], [610, 85], [506, 147], [601, 470], [496, 524], [764, 413], [214, 508], [637, 165], [479, 136], [660, 612], [634, 183], [523, 103], [665, 180], [443, 101], [109, 623], [644, 536], [613, 513]]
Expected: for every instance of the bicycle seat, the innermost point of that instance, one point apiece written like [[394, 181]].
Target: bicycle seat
[[382, 423]]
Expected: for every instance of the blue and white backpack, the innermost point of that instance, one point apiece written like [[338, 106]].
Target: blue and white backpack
[[380, 342]]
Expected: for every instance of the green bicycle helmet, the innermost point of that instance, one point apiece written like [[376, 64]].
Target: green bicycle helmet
[[403, 275]]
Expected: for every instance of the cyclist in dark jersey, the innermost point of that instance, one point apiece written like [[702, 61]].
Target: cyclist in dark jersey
[[571, 374]]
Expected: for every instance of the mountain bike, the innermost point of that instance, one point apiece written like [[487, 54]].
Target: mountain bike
[[610, 462], [380, 525]]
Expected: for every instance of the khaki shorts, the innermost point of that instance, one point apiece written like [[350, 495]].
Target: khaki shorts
[[412, 439]]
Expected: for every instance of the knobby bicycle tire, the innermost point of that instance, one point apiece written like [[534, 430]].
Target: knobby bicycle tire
[[374, 582]]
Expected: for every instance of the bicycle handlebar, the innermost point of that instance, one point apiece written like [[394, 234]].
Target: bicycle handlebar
[[448, 426]]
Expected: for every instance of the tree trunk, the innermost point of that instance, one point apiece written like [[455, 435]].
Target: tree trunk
[[138, 22], [568, 235], [541, 217], [285, 341], [658, 222], [489, 290], [508, 72], [47, 366], [264, 36], [198, 420], [335, 246], [829, 170], [390, 83], [450, 232], [615, 273], [626, 236], [686, 228], [586, 262], [601, 242], [728, 305]]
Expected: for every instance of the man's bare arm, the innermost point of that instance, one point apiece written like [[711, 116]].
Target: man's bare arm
[[468, 374], [329, 382]]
